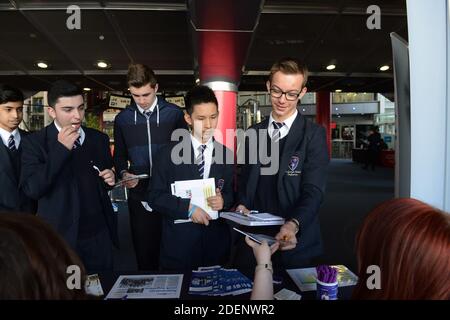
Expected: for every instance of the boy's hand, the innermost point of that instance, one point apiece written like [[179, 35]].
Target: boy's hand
[[287, 237], [108, 176], [200, 216], [216, 202], [242, 209], [130, 183], [67, 136]]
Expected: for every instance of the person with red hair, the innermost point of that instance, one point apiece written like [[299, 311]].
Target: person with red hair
[[408, 240]]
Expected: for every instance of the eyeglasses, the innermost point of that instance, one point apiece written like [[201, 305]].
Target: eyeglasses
[[290, 95]]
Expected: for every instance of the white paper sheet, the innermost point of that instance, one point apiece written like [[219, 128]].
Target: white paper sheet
[[161, 286], [198, 191]]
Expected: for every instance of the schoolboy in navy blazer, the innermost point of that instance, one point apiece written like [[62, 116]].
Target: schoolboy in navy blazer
[[58, 171], [297, 188], [12, 199], [203, 241]]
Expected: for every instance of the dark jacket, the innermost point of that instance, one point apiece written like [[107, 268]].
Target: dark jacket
[[13, 199], [133, 134], [188, 245], [300, 183], [375, 142], [48, 177]]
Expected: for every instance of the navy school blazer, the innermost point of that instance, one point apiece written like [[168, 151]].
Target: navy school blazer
[[187, 244], [47, 178], [301, 182], [12, 198]]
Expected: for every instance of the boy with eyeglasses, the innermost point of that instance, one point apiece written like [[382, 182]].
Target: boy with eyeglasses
[[296, 190]]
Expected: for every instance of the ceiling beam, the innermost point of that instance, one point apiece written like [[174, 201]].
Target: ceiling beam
[[327, 74], [133, 6], [91, 72], [318, 9]]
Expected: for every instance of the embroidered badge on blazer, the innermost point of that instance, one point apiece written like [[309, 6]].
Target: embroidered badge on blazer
[[220, 184], [293, 164]]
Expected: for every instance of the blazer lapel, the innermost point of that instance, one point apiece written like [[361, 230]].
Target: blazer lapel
[[6, 160], [221, 158], [51, 136], [193, 166], [255, 170], [294, 139]]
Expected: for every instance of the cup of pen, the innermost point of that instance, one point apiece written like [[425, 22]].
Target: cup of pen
[[327, 284]]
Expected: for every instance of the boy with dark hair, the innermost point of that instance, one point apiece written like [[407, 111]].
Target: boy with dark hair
[[11, 113], [67, 168], [203, 241], [140, 131]]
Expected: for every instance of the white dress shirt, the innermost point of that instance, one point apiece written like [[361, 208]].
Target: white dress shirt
[[207, 154], [152, 107], [284, 130], [6, 134]]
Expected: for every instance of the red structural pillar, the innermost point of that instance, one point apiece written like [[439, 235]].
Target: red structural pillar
[[221, 56], [323, 114], [227, 116], [222, 34]]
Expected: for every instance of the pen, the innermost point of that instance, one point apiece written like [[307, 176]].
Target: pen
[[94, 166]]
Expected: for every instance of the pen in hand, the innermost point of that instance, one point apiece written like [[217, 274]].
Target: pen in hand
[[95, 167]]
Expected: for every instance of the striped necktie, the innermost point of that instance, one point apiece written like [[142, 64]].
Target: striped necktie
[[148, 113], [11, 143], [276, 132], [201, 160], [77, 143]]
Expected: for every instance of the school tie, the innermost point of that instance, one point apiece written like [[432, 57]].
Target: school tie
[[11, 143], [148, 113], [201, 160], [276, 132], [77, 143]]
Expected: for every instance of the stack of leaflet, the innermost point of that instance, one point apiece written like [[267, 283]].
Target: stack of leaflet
[[254, 219], [217, 281]]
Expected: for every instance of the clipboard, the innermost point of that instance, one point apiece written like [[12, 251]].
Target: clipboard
[[258, 238], [139, 177]]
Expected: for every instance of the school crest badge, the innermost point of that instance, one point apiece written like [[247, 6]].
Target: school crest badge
[[293, 164]]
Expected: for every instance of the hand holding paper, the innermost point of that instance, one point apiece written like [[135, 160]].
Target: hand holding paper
[[242, 209], [200, 216], [287, 236], [129, 183], [108, 176], [216, 202], [198, 191]]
